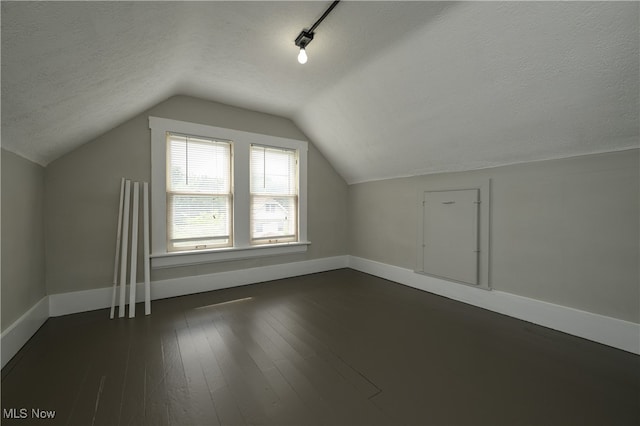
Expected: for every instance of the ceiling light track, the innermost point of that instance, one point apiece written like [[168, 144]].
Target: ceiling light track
[[306, 35]]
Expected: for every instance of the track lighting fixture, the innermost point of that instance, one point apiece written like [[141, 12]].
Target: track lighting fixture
[[305, 36]]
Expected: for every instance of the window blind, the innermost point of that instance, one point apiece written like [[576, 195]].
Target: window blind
[[273, 195], [199, 198]]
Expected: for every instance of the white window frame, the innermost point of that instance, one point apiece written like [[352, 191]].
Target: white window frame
[[199, 193], [241, 141], [253, 196]]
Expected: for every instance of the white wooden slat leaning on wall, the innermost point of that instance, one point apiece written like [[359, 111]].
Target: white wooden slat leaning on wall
[[117, 258], [125, 244], [134, 250], [147, 255]]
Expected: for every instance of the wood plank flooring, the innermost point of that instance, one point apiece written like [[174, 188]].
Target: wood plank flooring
[[336, 348]]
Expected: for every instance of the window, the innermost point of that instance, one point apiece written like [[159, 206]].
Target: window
[[274, 195], [199, 199], [222, 194]]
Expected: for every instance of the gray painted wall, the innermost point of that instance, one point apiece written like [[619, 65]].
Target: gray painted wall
[[82, 190], [563, 231], [23, 277]]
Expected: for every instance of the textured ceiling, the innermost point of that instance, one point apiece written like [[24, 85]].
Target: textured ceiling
[[390, 89]]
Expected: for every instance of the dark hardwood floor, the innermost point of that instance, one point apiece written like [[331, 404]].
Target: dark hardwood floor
[[336, 348]]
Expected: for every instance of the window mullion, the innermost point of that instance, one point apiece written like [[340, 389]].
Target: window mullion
[[241, 218]]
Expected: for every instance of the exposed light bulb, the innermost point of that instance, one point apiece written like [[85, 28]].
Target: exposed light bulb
[[302, 56]]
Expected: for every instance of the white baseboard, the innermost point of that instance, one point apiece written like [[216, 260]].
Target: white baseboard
[[89, 300], [613, 332], [18, 333]]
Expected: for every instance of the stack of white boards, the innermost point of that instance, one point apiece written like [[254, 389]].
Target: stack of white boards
[[128, 214]]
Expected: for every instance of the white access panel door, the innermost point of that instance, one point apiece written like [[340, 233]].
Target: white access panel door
[[450, 238]]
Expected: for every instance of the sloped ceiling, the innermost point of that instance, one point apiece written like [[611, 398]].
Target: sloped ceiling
[[390, 89]]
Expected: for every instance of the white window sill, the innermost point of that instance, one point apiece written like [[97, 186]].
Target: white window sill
[[195, 257]]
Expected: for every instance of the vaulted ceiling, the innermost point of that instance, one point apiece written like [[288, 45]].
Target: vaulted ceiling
[[390, 89]]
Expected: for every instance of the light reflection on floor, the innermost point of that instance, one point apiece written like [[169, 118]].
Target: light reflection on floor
[[244, 299]]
